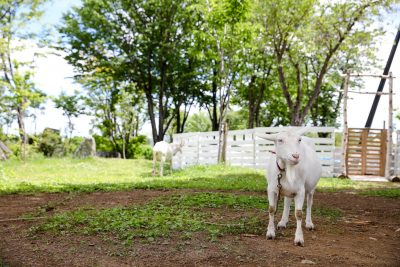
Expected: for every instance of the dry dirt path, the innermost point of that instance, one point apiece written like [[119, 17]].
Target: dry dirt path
[[367, 235]]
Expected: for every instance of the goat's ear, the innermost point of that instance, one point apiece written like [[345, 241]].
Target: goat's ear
[[270, 137], [303, 130], [182, 143]]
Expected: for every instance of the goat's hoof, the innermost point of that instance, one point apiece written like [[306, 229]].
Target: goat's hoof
[[281, 225], [299, 243], [270, 236], [299, 240], [310, 226]]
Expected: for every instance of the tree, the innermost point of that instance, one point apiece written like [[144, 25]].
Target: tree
[[223, 33], [127, 112], [18, 90], [256, 81], [117, 112], [141, 42], [71, 106], [306, 39], [198, 122]]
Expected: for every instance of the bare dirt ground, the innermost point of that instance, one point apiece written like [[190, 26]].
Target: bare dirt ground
[[368, 234]]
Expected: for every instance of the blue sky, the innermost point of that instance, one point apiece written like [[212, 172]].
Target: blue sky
[[53, 75]]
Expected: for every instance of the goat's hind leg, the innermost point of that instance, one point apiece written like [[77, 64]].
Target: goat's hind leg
[[309, 223], [162, 161], [272, 199], [285, 215], [154, 163]]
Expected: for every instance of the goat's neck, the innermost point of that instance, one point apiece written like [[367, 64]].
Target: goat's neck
[[291, 173], [290, 170]]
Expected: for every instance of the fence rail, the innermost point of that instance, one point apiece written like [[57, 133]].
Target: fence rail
[[246, 148]]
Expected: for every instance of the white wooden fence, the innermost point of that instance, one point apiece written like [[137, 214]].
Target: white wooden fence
[[246, 148]]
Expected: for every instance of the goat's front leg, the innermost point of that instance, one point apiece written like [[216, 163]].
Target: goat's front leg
[[309, 223], [285, 214], [272, 199], [298, 201]]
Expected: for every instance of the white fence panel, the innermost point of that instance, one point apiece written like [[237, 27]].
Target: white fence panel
[[246, 148], [396, 164]]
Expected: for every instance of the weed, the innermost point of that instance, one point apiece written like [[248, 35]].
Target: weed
[[161, 217]]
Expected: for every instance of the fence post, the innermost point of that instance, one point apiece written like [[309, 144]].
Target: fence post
[[343, 164], [390, 130]]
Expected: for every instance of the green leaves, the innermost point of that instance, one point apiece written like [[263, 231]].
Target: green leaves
[[278, 58]]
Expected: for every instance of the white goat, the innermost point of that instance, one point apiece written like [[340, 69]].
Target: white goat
[[298, 165], [163, 151]]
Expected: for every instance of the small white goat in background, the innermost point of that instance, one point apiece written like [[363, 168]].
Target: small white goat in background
[[162, 152], [299, 165]]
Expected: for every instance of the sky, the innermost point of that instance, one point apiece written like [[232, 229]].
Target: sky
[[54, 75]]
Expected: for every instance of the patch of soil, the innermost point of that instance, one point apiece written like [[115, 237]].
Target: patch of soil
[[368, 234]]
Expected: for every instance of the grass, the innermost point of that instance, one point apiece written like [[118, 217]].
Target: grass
[[3, 264], [89, 175], [388, 192], [183, 215]]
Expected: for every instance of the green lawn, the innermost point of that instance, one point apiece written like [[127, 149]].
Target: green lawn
[[87, 175]]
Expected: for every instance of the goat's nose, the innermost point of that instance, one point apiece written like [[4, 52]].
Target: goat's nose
[[296, 155]]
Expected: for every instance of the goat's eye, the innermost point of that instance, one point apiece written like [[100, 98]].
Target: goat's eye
[[299, 139], [280, 140]]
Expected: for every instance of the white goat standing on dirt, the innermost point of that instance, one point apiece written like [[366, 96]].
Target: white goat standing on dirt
[[298, 165], [162, 152]]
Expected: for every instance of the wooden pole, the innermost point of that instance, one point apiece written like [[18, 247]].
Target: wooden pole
[[390, 130], [345, 126]]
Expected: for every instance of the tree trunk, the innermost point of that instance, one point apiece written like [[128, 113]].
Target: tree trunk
[[252, 102], [178, 120], [150, 110], [259, 101], [252, 119], [123, 148], [214, 119], [223, 138], [22, 132], [161, 108], [136, 133]]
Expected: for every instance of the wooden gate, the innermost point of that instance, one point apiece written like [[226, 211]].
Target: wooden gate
[[366, 151]]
